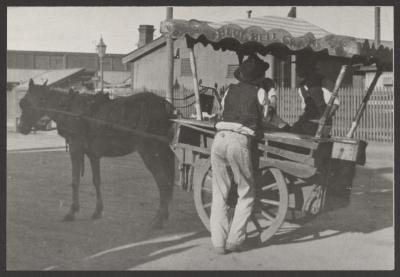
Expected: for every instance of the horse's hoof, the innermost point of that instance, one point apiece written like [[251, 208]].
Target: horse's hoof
[[97, 215], [69, 217]]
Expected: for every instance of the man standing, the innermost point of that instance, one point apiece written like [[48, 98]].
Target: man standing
[[315, 92], [231, 154]]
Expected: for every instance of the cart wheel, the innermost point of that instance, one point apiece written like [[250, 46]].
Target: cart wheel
[[202, 189], [271, 201]]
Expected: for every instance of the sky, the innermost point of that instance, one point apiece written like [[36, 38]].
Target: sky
[[78, 29]]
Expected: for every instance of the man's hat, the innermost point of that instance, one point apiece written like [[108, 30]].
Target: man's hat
[[252, 70]]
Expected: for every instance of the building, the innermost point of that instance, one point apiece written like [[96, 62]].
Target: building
[[61, 69], [149, 64], [21, 65]]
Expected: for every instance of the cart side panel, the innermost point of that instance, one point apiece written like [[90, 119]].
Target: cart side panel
[[346, 154]]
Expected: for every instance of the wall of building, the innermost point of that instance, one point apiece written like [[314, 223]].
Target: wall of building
[[150, 71], [60, 60]]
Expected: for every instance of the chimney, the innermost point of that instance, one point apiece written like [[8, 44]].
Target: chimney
[[145, 34], [292, 12], [249, 13], [377, 27]]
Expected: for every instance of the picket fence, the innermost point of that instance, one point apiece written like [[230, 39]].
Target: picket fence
[[376, 123]]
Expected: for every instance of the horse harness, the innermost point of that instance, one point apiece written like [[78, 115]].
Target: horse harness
[[87, 117]]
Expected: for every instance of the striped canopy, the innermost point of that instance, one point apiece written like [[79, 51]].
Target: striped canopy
[[268, 34]]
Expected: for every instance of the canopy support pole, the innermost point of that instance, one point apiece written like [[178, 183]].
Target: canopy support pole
[[170, 62], [334, 95], [293, 71], [363, 105], [195, 83]]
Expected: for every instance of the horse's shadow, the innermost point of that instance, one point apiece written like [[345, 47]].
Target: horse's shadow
[[370, 209]]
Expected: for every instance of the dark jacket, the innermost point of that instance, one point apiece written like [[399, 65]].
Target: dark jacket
[[313, 97], [242, 106]]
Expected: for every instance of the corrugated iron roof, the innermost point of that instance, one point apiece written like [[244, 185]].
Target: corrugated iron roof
[[144, 50], [22, 75], [295, 26], [52, 77]]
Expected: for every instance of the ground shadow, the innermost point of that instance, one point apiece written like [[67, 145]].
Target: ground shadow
[[130, 256], [370, 209]]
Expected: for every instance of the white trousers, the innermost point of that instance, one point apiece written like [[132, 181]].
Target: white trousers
[[232, 150]]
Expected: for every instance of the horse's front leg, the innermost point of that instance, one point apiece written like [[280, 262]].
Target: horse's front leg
[[76, 155], [95, 164]]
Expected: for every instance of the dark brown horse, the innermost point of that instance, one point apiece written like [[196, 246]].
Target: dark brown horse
[[88, 123]]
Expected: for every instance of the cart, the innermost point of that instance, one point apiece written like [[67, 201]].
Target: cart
[[298, 175]]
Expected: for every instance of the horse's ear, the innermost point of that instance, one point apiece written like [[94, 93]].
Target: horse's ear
[[31, 82], [45, 82]]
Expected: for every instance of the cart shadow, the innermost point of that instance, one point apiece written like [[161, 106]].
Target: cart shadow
[[371, 209]]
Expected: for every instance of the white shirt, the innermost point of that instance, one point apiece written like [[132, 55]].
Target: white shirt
[[263, 98], [327, 96]]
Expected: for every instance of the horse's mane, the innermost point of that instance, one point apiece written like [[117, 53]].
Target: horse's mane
[[147, 96]]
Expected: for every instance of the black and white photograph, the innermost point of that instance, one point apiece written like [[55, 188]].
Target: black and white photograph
[[157, 138]]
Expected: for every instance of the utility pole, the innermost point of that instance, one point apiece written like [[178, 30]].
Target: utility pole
[[377, 27], [170, 61], [292, 13]]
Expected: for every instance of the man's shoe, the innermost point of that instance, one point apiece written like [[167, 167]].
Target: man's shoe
[[220, 250], [234, 247]]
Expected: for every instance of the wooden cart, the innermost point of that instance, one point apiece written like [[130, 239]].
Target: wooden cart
[[305, 179], [297, 173]]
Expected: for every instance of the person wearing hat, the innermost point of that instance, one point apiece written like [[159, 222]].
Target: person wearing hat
[[315, 92], [231, 154]]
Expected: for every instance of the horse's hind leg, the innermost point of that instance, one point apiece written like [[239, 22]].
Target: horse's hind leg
[[76, 155], [95, 164], [159, 159]]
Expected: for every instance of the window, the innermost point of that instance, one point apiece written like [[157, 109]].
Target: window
[[56, 62], [230, 70], [185, 67], [42, 62]]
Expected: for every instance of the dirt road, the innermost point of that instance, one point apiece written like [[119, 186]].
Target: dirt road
[[360, 236]]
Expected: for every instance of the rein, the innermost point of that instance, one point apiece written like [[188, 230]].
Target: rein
[[103, 122]]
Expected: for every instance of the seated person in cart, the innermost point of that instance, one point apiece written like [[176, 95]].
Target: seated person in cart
[[231, 154], [315, 92], [271, 120]]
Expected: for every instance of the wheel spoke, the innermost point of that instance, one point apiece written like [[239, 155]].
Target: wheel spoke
[[270, 202], [207, 189], [267, 215], [255, 222], [267, 187]]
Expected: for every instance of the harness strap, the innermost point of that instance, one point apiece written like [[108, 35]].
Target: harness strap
[[103, 122]]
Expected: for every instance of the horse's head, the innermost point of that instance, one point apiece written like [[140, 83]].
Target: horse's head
[[32, 105]]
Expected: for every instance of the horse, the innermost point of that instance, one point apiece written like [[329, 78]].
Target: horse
[[87, 122]]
